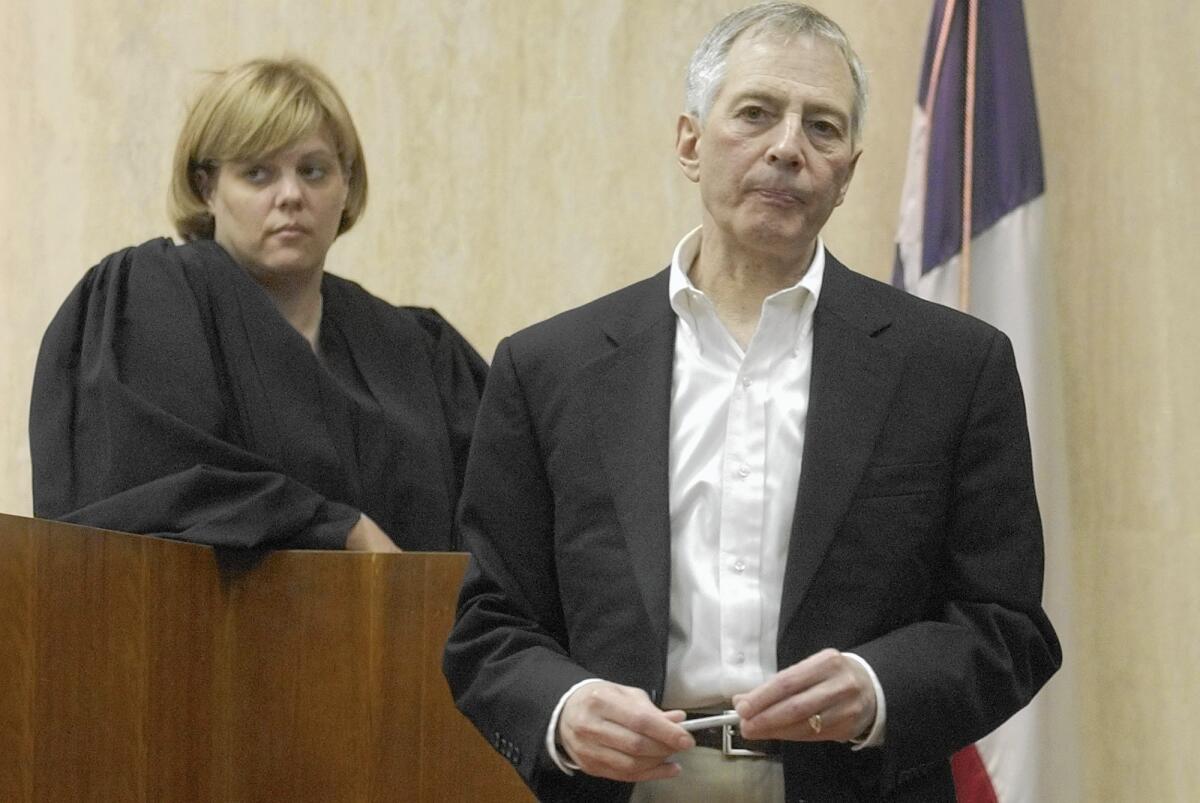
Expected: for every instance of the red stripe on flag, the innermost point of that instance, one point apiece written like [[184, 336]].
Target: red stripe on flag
[[971, 781]]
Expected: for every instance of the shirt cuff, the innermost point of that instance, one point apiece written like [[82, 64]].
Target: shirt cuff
[[874, 737], [560, 759]]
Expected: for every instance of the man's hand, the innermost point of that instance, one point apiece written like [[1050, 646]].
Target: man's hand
[[615, 732], [367, 536], [828, 685]]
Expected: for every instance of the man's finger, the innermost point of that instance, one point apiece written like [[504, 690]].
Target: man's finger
[[838, 706], [621, 738], [616, 732], [657, 772], [796, 679], [795, 719]]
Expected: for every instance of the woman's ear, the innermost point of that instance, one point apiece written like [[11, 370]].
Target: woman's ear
[[203, 181]]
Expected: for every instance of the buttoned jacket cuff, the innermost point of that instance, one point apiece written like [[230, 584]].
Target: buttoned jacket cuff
[[874, 737], [561, 760]]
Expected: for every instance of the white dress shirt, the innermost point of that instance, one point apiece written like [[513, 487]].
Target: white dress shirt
[[737, 436], [737, 433]]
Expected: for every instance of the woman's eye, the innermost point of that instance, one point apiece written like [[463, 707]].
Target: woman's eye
[[256, 174], [313, 172], [752, 113]]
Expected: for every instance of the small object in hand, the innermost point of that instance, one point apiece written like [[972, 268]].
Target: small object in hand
[[715, 721]]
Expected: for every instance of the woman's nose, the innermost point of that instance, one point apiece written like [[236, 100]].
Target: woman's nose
[[290, 190]]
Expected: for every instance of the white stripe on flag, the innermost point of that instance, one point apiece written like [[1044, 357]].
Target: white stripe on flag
[[1034, 756]]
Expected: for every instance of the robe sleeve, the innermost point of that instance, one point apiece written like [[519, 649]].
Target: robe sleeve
[[460, 374], [133, 426]]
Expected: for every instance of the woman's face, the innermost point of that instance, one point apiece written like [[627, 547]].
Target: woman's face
[[278, 215]]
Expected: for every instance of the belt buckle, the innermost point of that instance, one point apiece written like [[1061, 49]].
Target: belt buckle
[[727, 748]]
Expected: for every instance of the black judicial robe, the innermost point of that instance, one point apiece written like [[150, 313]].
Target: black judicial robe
[[172, 398]]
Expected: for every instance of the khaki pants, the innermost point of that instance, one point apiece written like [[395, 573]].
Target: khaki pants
[[710, 777]]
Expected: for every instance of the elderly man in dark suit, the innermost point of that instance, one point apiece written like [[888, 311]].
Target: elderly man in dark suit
[[757, 482]]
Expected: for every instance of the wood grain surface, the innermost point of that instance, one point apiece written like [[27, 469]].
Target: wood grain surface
[[139, 669]]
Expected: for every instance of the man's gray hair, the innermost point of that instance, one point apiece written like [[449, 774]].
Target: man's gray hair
[[706, 71]]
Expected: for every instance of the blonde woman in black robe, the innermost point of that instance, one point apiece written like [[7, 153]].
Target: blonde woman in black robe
[[228, 391]]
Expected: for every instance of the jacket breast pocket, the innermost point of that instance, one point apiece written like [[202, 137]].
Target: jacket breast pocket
[[903, 479]]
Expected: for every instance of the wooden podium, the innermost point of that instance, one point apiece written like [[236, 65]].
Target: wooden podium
[[140, 669]]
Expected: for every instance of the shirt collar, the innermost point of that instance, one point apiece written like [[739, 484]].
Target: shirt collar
[[680, 284]]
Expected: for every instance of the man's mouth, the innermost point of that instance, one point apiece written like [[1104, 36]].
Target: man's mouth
[[779, 196]]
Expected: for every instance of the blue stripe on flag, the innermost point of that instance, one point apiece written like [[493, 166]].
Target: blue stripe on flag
[[1008, 154]]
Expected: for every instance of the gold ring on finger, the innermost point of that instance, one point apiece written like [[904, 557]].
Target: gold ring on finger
[[814, 722]]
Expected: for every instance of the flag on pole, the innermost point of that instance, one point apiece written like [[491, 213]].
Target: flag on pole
[[970, 237]]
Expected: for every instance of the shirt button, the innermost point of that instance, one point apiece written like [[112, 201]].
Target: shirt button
[[747, 381], [738, 657], [739, 566], [743, 471]]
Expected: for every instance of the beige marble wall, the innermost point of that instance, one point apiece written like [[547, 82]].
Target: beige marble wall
[[520, 159], [1120, 102], [520, 151]]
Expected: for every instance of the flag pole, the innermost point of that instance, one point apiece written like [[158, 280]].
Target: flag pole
[[935, 72], [964, 276]]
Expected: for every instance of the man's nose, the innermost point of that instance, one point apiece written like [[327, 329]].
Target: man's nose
[[787, 147]]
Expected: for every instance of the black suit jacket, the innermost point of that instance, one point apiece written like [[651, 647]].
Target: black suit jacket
[[916, 541]]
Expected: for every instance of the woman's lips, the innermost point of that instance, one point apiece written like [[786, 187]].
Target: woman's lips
[[290, 230]]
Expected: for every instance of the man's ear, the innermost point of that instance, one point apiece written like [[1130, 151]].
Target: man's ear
[[849, 175], [687, 145]]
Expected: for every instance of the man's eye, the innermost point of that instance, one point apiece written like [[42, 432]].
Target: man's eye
[[752, 113], [825, 128]]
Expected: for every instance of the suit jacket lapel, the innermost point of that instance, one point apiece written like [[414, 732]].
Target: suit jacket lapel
[[854, 375], [632, 425]]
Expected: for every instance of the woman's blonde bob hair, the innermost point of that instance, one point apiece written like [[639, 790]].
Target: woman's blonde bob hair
[[252, 111]]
